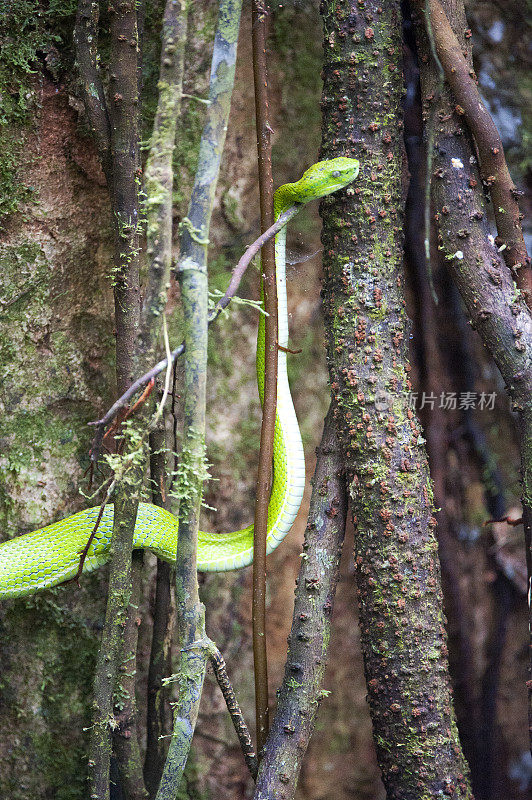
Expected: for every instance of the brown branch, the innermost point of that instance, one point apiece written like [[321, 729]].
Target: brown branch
[[246, 259], [301, 690], [158, 721], [493, 167], [269, 405], [237, 718], [483, 280], [86, 42], [124, 117], [125, 734], [84, 552]]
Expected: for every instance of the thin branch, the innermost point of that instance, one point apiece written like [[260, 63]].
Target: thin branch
[[158, 722], [124, 118], [239, 723], [249, 254], [269, 405], [301, 690], [86, 42], [85, 550], [192, 274], [493, 167], [125, 732], [223, 302]]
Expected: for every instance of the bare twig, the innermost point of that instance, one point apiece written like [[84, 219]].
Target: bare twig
[[239, 723], [301, 690], [223, 302], [85, 550], [269, 405], [246, 259], [493, 167]]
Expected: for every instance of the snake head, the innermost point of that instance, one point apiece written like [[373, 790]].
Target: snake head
[[326, 177], [321, 179]]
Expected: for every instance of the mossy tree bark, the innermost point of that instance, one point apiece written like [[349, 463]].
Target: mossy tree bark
[[398, 582]]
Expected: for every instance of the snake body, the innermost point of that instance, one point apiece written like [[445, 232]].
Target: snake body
[[50, 555]]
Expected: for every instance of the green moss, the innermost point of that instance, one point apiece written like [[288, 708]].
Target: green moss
[[61, 648], [44, 399], [29, 31]]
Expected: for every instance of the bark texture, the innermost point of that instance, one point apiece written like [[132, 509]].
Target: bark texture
[[496, 309], [401, 618]]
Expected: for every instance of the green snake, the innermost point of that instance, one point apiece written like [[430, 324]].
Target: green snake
[[51, 555]]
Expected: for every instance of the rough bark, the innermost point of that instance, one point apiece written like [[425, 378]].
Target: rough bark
[[401, 618], [494, 170], [485, 283]]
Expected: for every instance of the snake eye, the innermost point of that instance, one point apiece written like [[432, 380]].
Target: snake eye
[[336, 174]]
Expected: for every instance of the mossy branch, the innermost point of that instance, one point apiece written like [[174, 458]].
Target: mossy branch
[[159, 174], [124, 122], [192, 275]]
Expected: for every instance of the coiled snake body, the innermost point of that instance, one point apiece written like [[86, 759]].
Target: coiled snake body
[[51, 555]]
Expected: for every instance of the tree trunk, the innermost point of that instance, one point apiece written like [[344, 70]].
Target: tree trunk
[[56, 333], [401, 618]]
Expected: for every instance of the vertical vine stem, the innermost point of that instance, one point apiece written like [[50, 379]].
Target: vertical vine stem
[[264, 150], [157, 718]]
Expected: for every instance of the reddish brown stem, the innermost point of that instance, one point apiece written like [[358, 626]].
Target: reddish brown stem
[[259, 38]]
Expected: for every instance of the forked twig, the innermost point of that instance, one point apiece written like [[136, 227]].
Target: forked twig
[[222, 303]]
